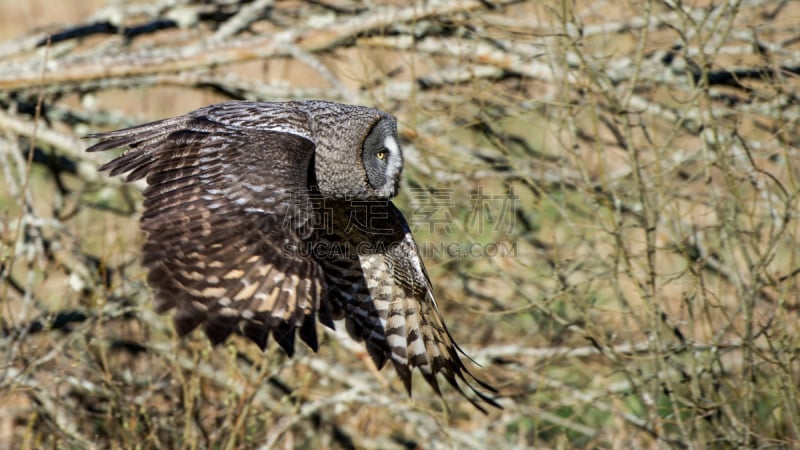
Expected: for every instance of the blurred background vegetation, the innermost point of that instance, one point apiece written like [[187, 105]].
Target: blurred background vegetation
[[639, 165]]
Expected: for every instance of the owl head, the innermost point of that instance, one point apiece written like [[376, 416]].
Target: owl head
[[357, 151]]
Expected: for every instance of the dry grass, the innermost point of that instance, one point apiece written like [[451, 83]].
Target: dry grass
[[639, 163]]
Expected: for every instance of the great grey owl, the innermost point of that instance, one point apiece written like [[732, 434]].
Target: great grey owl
[[263, 217]]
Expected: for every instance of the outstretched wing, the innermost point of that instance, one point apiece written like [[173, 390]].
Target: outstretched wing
[[224, 213], [378, 283]]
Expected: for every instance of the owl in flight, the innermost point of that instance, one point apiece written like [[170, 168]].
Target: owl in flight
[[263, 218]]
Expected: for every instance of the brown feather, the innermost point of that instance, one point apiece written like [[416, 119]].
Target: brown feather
[[208, 248], [229, 205], [380, 286]]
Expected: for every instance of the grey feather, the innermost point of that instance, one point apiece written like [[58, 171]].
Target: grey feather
[[252, 214]]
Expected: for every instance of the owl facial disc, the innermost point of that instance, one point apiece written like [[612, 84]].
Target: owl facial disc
[[382, 159]]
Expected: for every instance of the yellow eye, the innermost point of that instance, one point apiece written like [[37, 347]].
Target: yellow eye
[[381, 154]]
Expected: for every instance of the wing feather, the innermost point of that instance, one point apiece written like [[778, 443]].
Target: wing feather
[[215, 232], [379, 285], [431, 347]]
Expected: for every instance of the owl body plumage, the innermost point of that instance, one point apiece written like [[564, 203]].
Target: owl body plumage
[[263, 218]]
